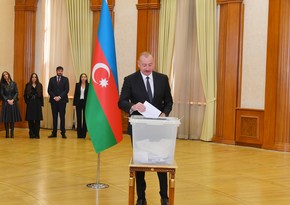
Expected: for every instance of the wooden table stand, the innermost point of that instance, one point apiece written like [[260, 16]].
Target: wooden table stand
[[152, 168]]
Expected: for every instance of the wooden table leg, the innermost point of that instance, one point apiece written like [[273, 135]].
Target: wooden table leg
[[131, 187], [152, 168], [171, 187]]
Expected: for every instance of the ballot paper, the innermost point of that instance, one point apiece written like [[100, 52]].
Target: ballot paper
[[155, 152], [151, 111]]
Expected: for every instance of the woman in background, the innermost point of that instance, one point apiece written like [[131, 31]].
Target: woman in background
[[10, 109], [79, 104], [33, 96]]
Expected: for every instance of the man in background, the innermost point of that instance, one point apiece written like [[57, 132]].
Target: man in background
[[58, 89]]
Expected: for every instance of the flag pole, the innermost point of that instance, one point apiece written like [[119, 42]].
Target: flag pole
[[98, 185]]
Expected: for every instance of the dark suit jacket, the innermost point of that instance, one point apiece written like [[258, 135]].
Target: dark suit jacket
[[77, 93], [134, 91], [58, 90]]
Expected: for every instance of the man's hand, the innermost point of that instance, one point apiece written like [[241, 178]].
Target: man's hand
[[10, 102], [138, 107], [57, 98], [162, 115]]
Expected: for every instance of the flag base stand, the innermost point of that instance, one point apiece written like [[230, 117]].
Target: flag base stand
[[97, 186]]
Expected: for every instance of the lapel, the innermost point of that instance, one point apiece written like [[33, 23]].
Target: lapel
[[80, 88], [140, 84], [155, 86], [87, 88], [140, 87]]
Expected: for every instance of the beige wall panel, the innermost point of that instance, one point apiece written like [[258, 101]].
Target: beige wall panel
[[254, 53], [125, 37], [7, 35]]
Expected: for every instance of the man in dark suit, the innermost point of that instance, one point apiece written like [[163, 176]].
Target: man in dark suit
[[135, 91], [58, 89]]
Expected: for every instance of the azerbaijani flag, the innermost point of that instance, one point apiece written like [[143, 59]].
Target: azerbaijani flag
[[103, 116]]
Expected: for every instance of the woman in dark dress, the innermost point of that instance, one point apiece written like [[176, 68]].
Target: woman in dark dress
[[33, 96], [79, 104], [10, 109]]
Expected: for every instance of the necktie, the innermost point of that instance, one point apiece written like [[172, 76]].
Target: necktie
[[58, 79], [149, 91]]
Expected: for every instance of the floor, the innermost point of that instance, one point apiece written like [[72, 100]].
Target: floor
[[57, 171]]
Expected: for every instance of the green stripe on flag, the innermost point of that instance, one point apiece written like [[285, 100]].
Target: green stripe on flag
[[98, 126]]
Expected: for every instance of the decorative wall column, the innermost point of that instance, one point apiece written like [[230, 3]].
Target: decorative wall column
[[228, 69], [24, 48], [148, 27], [277, 100]]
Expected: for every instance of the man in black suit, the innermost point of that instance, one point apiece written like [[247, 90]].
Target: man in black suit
[[58, 89], [135, 91]]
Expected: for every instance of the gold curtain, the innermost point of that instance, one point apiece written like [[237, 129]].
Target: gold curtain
[[187, 91], [80, 35], [167, 21], [206, 41]]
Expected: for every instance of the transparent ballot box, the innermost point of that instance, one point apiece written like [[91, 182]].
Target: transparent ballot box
[[154, 139]]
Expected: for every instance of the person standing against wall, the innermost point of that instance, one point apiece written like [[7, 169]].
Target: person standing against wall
[[58, 88], [10, 109], [79, 104], [33, 96]]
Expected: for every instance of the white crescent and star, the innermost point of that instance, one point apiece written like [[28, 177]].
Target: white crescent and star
[[103, 82]]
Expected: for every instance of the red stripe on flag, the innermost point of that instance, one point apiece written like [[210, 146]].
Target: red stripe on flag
[[106, 90]]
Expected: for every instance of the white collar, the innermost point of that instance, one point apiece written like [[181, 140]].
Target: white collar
[[144, 76]]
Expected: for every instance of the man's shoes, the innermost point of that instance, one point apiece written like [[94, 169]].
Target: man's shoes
[[141, 202], [31, 135], [63, 136], [164, 201], [52, 136]]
